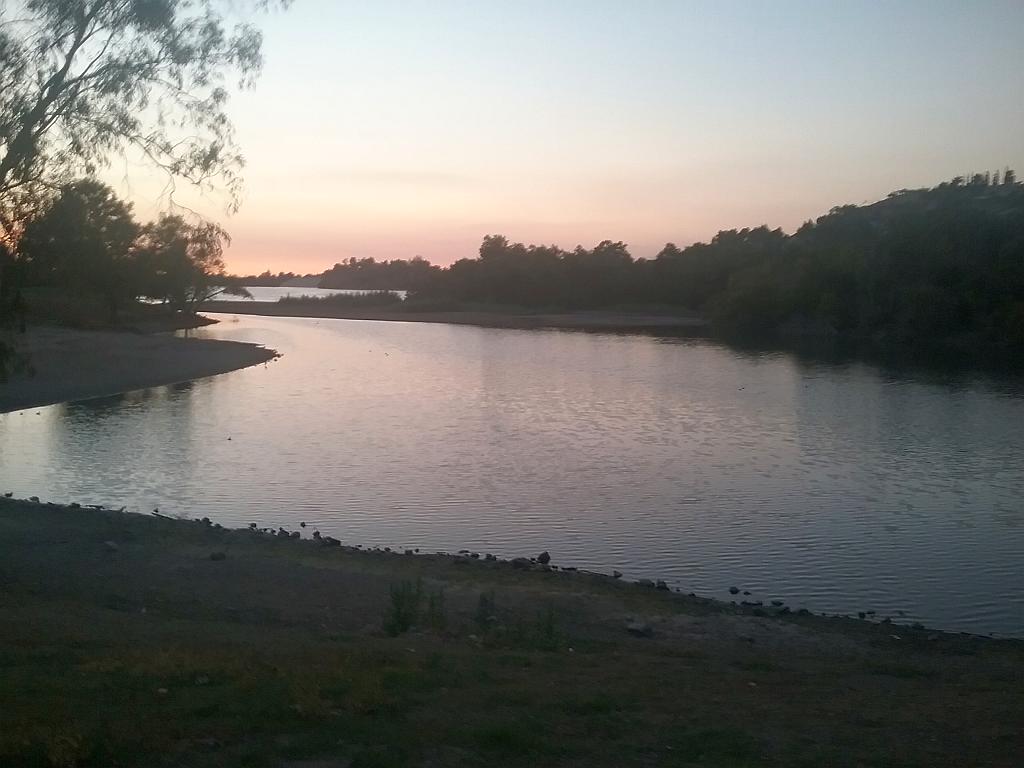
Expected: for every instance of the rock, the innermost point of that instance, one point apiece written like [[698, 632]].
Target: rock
[[330, 541], [218, 556], [861, 615], [408, 552], [544, 558], [746, 592], [475, 555], [316, 535], [205, 521], [252, 526], [639, 629], [34, 499], [616, 574], [491, 557], [302, 524], [8, 494], [803, 612], [645, 583], [75, 505], [734, 590], [777, 603], [662, 586], [568, 568], [521, 564], [110, 546]]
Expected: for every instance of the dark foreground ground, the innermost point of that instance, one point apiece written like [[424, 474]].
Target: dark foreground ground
[[124, 643]]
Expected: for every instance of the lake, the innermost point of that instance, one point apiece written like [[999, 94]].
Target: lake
[[839, 487]]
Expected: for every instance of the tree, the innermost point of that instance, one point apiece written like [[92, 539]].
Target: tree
[[182, 263], [83, 241], [82, 79]]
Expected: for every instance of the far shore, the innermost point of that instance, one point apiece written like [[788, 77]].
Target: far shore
[[68, 364], [596, 320]]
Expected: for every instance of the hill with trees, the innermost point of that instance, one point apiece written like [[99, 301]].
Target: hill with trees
[[943, 265]]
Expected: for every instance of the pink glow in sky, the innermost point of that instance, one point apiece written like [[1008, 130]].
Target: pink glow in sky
[[394, 129]]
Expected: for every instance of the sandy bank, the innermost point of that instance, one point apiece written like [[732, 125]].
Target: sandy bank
[[578, 320], [74, 365]]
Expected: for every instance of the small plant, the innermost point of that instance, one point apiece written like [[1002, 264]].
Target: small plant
[[542, 634], [405, 607], [486, 612], [436, 617]]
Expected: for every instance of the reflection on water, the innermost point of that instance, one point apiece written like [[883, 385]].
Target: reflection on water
[[837, 486]]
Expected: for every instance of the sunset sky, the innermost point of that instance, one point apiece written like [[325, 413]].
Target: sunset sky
[[391, 129]]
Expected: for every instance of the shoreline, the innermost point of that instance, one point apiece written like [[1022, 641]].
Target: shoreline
[[214, 644], [525, 564], [595, 320], [71, 364]]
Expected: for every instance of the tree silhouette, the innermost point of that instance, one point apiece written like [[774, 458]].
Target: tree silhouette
[[182, 263], [85, 78], [83, 241]]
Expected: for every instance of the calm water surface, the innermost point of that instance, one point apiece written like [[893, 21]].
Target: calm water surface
[[835, 487]]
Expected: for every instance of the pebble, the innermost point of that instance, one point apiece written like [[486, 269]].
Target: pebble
[[734, 590], [544, 558], [639, 629]]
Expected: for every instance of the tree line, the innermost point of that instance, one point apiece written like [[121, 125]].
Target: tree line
[[83, 82], [86, 243], [943, 263]]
